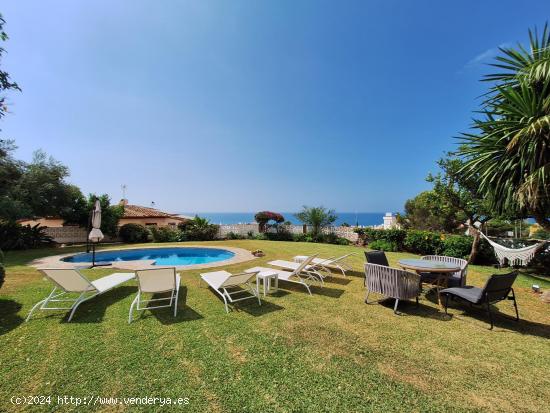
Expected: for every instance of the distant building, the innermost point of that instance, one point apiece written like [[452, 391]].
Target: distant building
[[136, 214], [133, 214], [390, 221]]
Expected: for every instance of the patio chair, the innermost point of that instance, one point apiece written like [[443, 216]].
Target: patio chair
[[309, 271], [328, 264], [297, 276], [156, 281], [377, 257], [497, 288], [456, 279], [392, 283], [230, 286], [69, 281]]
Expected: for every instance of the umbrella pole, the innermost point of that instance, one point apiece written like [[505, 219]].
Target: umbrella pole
[[93, 254]]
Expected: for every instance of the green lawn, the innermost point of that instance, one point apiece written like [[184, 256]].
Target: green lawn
[[295, 353]]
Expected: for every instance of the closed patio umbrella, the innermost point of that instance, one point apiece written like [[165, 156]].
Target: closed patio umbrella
[[95, 235]]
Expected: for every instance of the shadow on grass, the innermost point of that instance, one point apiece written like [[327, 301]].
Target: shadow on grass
[[336, 280], [9, 318], [500, 319], [251, 305], [410, 308], [93, 311], [256, 310], [166, 315], [357, 274], [316, 289]]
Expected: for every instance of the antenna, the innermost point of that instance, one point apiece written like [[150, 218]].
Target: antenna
[[124, 187]]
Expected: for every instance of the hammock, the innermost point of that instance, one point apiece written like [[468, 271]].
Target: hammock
[[515, 256]]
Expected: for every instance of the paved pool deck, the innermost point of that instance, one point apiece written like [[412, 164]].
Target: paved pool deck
[[56, 261]]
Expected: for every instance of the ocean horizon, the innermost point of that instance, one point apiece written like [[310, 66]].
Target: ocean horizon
[[351, 218]]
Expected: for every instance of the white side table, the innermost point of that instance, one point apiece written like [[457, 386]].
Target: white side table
[[266, 277]]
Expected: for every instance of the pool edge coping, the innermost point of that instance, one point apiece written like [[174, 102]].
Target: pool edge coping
[[56, 261]]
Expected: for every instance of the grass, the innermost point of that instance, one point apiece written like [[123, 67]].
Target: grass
[[326, 353]]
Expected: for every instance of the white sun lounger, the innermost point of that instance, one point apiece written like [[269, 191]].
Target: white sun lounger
[[222, 281], [156, 281], [71, 281], [295, 276], [309, 271], [326, 264]]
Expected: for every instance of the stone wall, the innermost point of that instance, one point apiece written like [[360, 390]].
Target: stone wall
[[245, 229], [77, 235], [71, 235]]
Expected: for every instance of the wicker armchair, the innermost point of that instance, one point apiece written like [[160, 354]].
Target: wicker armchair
[[391, 282], [456, 279]]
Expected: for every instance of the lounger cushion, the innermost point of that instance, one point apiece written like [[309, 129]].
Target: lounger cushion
[[468, 293], [111, 281]]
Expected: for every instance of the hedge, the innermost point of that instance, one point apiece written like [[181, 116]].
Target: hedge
[[425, 243]]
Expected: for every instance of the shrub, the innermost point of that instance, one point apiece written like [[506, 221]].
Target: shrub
[[281, 233], [132, 233], [383, 245], [263, 217], [458, 246], [394, 236], [198, 229], [234, 235], [164, 234], [423, 242], [21, 237], [302, 238]]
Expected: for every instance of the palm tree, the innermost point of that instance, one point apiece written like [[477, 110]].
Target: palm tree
[[509, 150], [317, 217]]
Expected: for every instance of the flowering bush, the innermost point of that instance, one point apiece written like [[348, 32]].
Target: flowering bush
[[263, 217]]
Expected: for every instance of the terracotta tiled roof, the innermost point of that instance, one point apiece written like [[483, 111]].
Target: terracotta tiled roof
[[136, 211]]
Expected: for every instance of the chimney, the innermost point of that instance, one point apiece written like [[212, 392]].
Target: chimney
[[123, 202]]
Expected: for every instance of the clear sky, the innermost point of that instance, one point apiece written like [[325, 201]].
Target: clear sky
[[247, 105]]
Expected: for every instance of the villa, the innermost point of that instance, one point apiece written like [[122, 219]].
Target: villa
[[137, 214], [133, 214]]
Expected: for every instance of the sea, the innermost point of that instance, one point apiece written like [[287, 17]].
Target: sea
[[351, 218]]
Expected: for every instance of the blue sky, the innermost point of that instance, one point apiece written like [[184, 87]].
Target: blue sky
[[243, 105]]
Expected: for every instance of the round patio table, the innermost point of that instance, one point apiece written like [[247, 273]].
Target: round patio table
[[442, 271]]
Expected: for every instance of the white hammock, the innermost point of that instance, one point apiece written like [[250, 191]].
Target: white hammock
[[515, 256]]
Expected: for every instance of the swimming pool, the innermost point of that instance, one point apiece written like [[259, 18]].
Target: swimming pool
[[161, 256]]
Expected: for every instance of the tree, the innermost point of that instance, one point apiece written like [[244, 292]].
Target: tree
[[81, 208], [5, 82], [460, 193], [427, 211], [263, 218], [316, 217], [42, 186], [10, 173], [10, 169], [508, 152]]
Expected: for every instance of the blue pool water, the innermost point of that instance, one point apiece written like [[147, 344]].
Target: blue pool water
[[161, 256]]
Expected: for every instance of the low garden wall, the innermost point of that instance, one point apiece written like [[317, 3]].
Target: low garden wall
[[246, 229], [77, 235], [71, 235]]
